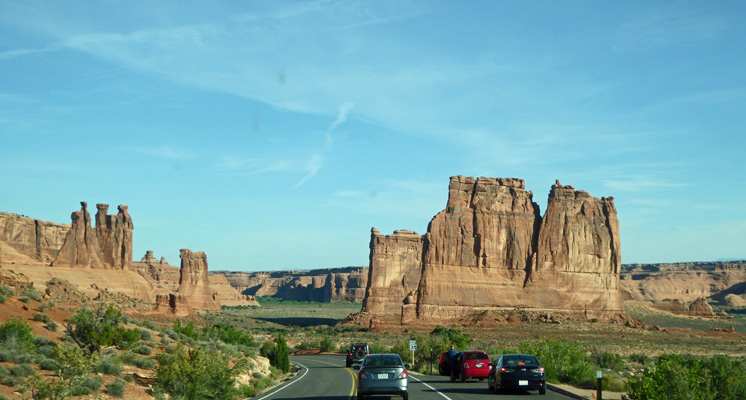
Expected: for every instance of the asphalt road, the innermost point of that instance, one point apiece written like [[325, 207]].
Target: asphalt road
[[325, 377]]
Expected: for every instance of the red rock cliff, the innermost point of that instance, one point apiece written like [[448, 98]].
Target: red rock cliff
[[395, 270], [34, 238], [194, 283], [491, 249]]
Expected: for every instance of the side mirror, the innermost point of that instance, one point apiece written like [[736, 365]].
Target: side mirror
[[356, 367], [406, 366]]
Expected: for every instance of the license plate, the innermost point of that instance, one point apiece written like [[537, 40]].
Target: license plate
[[522, 383], [386, 376], [479, 365]]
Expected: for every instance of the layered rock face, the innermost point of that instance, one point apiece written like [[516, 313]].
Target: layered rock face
[[322, 285], [194, 283], [724, 282], [579, 254], [490, 249], [394, 272], [81, 244], [114, 235], [37, 239]]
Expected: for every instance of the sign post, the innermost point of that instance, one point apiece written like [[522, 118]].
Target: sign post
[[412, 347], [598, 389]]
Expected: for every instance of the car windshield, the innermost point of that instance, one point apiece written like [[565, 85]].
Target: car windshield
[[383, 361], [476, 356], [520, 361]]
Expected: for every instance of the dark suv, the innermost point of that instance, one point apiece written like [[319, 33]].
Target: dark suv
[[356, 353]]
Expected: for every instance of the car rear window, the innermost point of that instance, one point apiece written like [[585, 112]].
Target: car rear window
[[520, 360], [476, 356], [383, 361]]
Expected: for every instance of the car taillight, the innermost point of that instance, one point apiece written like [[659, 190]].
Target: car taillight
[[540, 369], [403, 375], [502, 369], [360, 375], [466, 365]]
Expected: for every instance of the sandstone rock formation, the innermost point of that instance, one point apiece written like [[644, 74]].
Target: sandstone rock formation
[[34, 238], [194, 283], [322, 285], [114, 235], [395, 270], [81, 244], [173, 303], [701, 307], [490, 249]]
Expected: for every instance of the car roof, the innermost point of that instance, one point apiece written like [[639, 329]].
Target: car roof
[[475, 351]]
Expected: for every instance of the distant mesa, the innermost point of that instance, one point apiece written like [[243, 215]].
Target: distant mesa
[[490, 249]]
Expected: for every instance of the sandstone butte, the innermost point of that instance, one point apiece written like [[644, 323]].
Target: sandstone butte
[[100, 258], [490, 249]]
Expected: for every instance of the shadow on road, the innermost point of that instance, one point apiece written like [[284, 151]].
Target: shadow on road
[[319, 398]]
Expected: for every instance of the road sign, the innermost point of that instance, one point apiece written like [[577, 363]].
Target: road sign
[[412, 345]]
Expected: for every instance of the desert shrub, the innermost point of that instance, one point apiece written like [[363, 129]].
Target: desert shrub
[[43, 307], [49, 365], [143, 362], [6, 291], [453, 336], [196, 374], [22, 370], [187, 330], [640, 358], [51, 326], [229, 334], [93, 382], [144, 350], [30, 293], [3, 299], [42, 318], [678, 377], [377, 348], [108, 365], [116, 388], [608, 360], [563, 361], [268, 349], [145, 335], [327, 344], [21, 331], [613, 382], [93, 330]]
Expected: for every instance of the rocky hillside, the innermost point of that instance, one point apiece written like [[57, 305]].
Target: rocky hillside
[[322, 285]]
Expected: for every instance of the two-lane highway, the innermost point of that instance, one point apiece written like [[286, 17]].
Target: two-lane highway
[[324, 377]]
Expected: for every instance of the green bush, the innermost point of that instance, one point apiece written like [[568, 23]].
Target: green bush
[[453, 336], [677, 377], [31, 293], [608, 360], [282, 354], [6, 291], [49, 365], [16, 329], [268, 349], [187, 330], [51, 326], [229, 334], [42, 318], [327, 344], [94, 330], [144, 350], [3, 299], [563, 361], [142, 362], [108, 365], [196, 374], [116, 388]]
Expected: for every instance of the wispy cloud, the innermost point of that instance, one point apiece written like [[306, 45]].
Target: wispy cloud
[[316, 161]]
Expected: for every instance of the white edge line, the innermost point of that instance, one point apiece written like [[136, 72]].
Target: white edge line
[[284, 387], [436, 390]]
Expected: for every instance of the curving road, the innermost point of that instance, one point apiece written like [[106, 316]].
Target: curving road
[[324, 377]]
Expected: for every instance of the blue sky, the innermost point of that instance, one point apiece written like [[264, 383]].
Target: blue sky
[[274, 135]]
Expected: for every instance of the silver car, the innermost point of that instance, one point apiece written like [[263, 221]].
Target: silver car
[[382, 374]]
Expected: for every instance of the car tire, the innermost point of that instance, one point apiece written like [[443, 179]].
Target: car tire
[[405, 396], [349, 364], [462, 378], [360, 396], [481, 379], [542, 391]]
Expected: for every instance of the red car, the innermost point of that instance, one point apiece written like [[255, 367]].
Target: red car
[[473, 364]]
